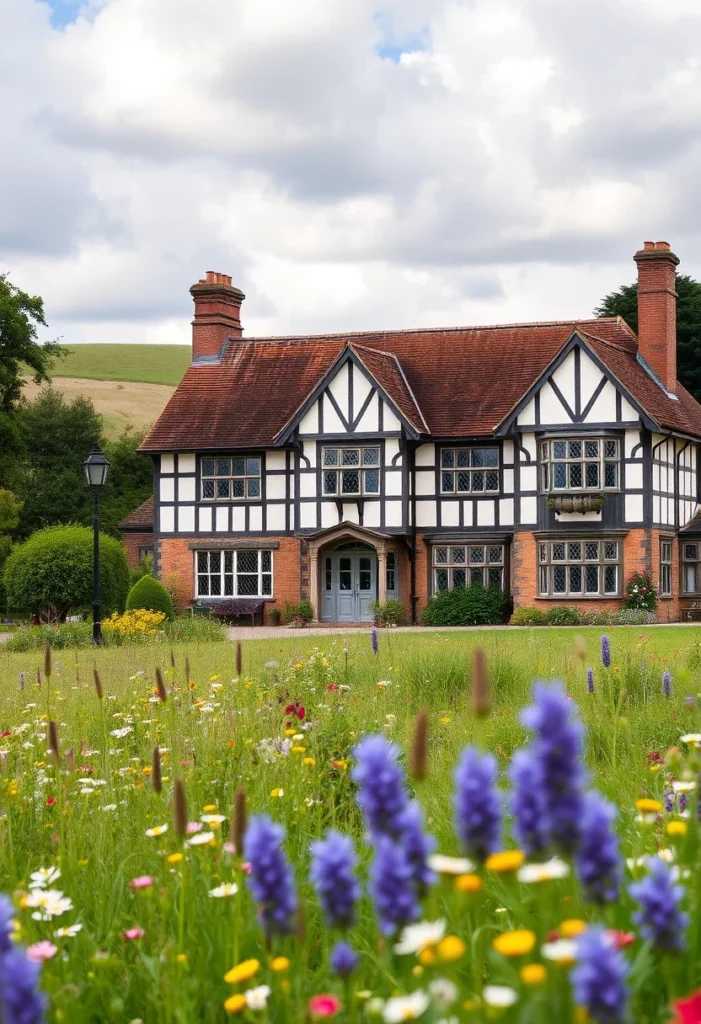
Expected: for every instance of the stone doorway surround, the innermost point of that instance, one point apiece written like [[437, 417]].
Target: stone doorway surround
[[346, 531]]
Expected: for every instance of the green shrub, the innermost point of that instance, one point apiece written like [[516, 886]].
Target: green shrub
[[641, 592], [389, 613], [303, 611], [528, 616], [144, 568], [635, 617], [52, 573], [68, 634], [466, 606], [561, 615], [151, 594], [184, 629]]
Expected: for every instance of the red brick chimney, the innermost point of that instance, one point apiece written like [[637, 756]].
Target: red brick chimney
[[657, 310], [217, 314]]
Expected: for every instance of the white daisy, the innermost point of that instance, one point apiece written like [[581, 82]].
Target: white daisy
[[562, 951], [257, 998], [692, 738], [201, 839], [157, 830], [443, 865], [549, 871], [43, 877], [69, 932], [49, 903], [499, 995], [687, 786], [444, 992], [225, 889], [402, 1008], [416, 937], [212, 819]]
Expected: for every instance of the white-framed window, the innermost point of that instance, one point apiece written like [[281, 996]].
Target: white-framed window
[[580, 464], [230, 479], [691, 567], [579, 568], [665, 568], [462, 565], [469, 470], [240, 573], [351, 470]]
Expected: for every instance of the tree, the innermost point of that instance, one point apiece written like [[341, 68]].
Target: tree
[[9, 520], [20, 315], [130, 480], [624, 303], [52, 573], [150, 593]]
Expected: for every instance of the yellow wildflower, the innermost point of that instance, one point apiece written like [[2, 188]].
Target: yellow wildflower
[[242, 972], [571, 927], [427, 957], [450, 948], [298, 750], [507, 860], [209, 808], [647, 806], [516, 943], [468, 883], [280, 963], [235, 1004], [174, 858], [277, 792], [309, 761], [676, 828], [533, 974]]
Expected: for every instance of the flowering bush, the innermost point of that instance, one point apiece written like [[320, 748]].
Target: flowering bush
[[641, 592], [139, 624]]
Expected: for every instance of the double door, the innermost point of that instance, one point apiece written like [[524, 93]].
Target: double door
[[349, 586]]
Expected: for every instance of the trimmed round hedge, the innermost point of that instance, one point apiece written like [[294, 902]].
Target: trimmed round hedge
[[467, 606], [51, 574], [150, 593]]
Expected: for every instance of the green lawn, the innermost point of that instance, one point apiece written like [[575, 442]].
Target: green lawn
[[225, 732], [148, 364]]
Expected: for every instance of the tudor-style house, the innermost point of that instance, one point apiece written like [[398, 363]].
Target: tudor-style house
[[551, 459]]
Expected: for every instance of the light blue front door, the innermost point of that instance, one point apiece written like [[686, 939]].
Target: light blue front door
[[349, 586]]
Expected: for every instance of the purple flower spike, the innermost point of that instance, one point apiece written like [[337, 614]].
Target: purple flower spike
[[21, 1002], [598, 857], [599, 978], [417, 844], [590, 680], [392, 886], [374, 640], [333, 874], [527, 803], [270, 880], [477, 803], [558, 748], [661, 921], [382, 796], [667, 684], [344, 960], [605, 651]]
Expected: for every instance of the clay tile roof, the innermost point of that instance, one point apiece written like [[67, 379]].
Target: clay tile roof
[[140, 519], [459, 381]]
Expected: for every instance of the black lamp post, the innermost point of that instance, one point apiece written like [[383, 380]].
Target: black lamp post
[[96, 469]]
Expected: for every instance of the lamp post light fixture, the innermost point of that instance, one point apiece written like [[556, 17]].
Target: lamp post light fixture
[[96, 469]]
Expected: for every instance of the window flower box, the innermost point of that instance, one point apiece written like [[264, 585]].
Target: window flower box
[[575, 502]]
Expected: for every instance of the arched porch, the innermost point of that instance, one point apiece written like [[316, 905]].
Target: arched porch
[[348, 571]]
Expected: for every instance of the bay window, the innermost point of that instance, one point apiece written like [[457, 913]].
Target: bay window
[[579, 568], [691, 567], [240, 573], [582, 464]]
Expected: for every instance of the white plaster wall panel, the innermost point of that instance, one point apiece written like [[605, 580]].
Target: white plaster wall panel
[[628, 413], [332, 421], [508, 486], [467, 513], [425, 513], [275, 460], [604, 408], [275, 486], [578, 517], [186, 488], [634, 508], [350, 512], [292, 486], [693, 456], [589, 378], [329, 514], [205, 519], [527, 415], [167, 489], [450, 513], [186, 463], [425, 481], [339, 389], [309, 452], [361, 389], [529, 478], [391, 451], [307, 485], [529, 443], [221, 522], [167, 520], [309, 423], [238, 519], [551, 408], [632, 440], [656, 471], [167, 464], [634, 475], [275, 515], [564, 379], [656, 509], [529, 511], [186, 518], [426, 455], [506, 511], [393, 513], [485, 513], [307, 515], [371, 514], [255, 518], [390, 421], [369, 421], [292, 517], [670, 511], [508, 452], [393, 482]]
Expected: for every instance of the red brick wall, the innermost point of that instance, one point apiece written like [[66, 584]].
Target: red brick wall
[[176, 569], [657, 309], [132, 542]]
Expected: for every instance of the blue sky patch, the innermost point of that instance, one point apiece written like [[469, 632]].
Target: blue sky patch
[[394, 43], [64, 12]]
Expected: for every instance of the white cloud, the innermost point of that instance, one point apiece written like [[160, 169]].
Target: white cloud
[[426, 162]]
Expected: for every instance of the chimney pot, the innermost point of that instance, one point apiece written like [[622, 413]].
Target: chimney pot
[[657, 310], [663, 245], [217, 314], [648, 245]]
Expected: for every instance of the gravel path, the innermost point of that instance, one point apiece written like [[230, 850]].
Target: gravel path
[[282, 632]]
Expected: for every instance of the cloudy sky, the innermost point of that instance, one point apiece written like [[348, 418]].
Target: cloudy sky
[[351, 163]]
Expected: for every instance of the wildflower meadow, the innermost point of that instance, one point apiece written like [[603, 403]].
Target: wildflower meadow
[[495, 826]]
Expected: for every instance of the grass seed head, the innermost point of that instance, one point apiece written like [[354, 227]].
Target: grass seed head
[[98, 683], [418, 761], [160, 685], [53, 740], [156, 775], [238, 820], [481, 697], [47, 660], [239, 658], [179, 808]]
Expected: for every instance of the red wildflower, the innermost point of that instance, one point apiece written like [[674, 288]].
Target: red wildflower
[[654, 758], [4, 734], [324, 1005], [689, 1009], [51, 801], [332, 686], [295, 709], [620, 939]]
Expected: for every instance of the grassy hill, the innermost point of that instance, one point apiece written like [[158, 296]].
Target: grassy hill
[[146, 364]]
